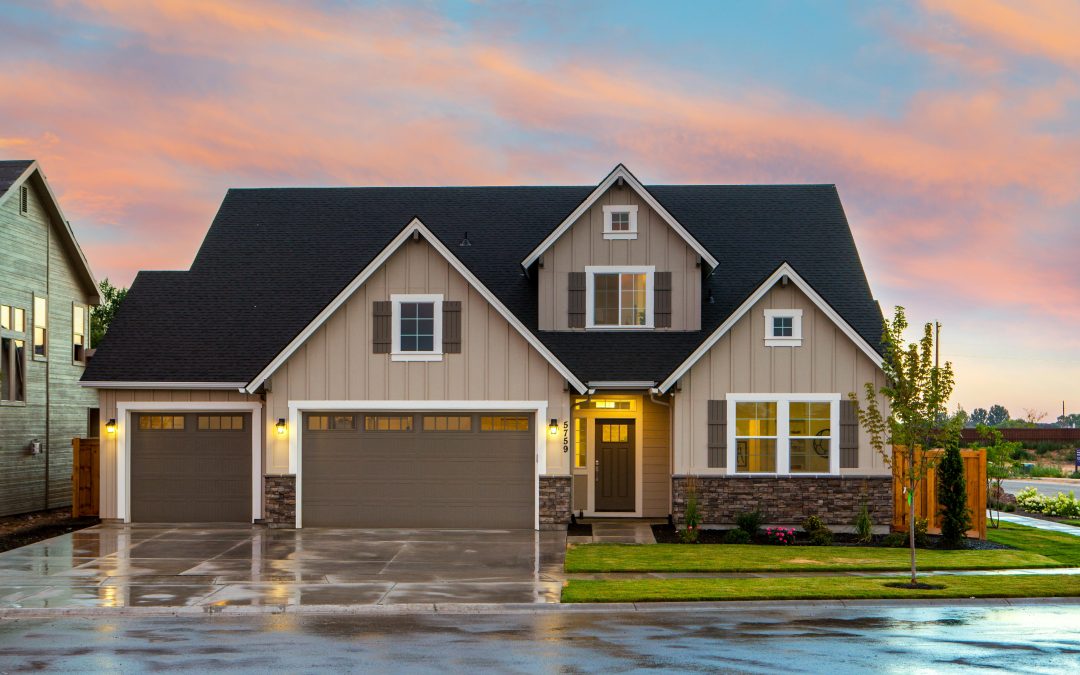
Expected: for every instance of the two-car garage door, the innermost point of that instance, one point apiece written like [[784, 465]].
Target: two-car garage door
[[403, 470]]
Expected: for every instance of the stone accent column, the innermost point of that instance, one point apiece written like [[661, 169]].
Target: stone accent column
[[555, 502], [279, 507], [786, 500]]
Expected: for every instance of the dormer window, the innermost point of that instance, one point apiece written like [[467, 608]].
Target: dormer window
[[619, 297], [620, 222], [783, 327], [417, 327]]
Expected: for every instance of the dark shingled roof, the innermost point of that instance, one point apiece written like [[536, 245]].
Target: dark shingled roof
[[10, 170], [273, 259]]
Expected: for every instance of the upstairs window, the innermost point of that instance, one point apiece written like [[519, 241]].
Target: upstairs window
[[41, 327], [620, 222], [783, 327], [417, 326], [12, 319], [12, 370], [619, 297], [78, 334]]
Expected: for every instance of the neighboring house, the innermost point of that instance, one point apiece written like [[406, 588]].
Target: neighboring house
[[46, 291], [498, 357]]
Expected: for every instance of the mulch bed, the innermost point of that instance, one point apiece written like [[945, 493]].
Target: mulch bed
[[667, 534], [28, 528], [576, 529]]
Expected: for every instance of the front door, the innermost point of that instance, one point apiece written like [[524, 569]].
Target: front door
[[615, 465]]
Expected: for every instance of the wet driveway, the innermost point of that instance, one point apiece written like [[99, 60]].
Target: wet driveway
[[219, 566]]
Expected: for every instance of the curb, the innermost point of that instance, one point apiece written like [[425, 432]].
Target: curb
[[211, 611]]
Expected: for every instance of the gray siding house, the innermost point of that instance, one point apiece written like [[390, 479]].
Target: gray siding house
[[46, 290], [498, 357]]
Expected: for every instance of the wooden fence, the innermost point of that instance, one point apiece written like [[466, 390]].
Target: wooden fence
[[84, 477], [926, 501], [1045, 435]]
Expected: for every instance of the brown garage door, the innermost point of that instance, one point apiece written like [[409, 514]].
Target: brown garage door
[[452, 470], [191, 467]]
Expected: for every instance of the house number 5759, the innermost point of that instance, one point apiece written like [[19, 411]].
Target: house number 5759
[[566, 436]]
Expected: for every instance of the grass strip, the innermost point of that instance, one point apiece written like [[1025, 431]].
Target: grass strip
[[816, 588], [1063, 548]]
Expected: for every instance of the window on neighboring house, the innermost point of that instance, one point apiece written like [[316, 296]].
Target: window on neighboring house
[[41, 327], [78, 334], [783, 327], [620, 222], [581, 441], [417, 326], [619, 297], [12, 319], [12, 370], [784, 433]]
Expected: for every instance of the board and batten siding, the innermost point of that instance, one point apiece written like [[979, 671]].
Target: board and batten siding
[[584, 244], [656, 459], [109, 398], [35, 261], [338, 363], [828, 361]]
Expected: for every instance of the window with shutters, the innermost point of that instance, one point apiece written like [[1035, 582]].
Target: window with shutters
[[620, 222], [786, 434], [417, 324], [619, 297]]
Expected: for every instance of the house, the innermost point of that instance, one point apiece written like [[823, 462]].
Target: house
[[498, 357], [46, 290]]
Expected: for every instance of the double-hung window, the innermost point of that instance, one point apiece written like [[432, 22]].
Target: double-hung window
[[417, 327], [784, 433], [619, 297], [12, 354], [78, 334], [41, 327]]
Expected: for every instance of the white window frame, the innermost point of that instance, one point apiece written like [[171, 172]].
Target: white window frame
[[783, 431], [590, 295], [773, 340], [620, 234], [396, 354]]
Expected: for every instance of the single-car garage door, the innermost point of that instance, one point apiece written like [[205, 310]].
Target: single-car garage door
[[191, 467], [452, 470]]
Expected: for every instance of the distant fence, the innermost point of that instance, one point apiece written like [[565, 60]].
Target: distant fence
[[926, 498], [1037, 435], [84, 477]]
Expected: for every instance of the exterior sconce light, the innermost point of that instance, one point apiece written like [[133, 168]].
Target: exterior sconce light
[[281, 426], [553, 428], [110, 426]]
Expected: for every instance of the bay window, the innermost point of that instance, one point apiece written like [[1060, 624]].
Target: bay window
[[783, 433]]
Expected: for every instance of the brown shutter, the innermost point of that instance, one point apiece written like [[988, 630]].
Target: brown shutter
[[576, 300], [382, 334], [849, 435], [717, 434], [451, 326], [662, 299]]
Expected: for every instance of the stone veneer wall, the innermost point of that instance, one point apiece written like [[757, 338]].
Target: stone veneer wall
[[786, 500], [279, 493], [554, 502]]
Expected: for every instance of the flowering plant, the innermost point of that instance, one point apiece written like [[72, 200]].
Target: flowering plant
[[781, 536], [1063, 505]]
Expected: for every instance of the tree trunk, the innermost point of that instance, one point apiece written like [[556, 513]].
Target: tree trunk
[[911, 530]]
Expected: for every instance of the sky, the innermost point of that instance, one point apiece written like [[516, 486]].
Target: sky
[[951, 129]]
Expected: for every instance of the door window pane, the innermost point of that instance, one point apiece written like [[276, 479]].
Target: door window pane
[[580, 441]]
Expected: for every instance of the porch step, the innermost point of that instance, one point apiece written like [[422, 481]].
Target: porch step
[[622, 532]]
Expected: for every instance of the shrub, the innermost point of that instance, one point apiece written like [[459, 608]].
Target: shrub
[[813, 524], [781, 536], [1010, 507], [895, 540], [864, 526], [952, 495], [1062, 505], [737, 537], [820, 534], [689, 534], [1075, 474], [921, 539], [1042, 471], [750, 522]]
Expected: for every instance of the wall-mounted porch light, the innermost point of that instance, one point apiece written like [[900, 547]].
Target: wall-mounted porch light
[[281, 426], [553, 428], [110, 426]]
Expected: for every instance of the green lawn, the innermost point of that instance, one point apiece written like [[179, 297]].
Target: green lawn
[[1064, 548], [1072, 522], [816, 588], [736, 558]]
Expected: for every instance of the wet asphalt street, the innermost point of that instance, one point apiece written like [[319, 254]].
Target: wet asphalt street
[[806, 639]]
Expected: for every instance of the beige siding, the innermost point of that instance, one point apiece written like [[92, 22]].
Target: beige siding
[[656, 460], [656, 244], [337, 363], [827, 362]]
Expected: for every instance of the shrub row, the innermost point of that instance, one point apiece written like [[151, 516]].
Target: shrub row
[[1062, 505]]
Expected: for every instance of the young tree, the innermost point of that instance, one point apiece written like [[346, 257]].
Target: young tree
[[999, 455], [952, 495], [917, 391], [102, 315], [998, 415]]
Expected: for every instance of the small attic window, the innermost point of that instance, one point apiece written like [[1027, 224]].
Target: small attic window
[[620, 222], [24, 199], [783, 327]]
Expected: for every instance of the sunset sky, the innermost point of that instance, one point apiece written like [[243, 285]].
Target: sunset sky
[[950, 127]]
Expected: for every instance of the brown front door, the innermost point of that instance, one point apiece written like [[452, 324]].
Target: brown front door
[[615, 465]]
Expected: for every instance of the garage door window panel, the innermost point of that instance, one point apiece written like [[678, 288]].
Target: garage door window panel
[[161, 422], [388, 423], [447, 423], [504, 423], [221, 423]]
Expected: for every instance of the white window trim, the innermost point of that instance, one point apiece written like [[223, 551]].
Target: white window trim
[[396, 354], [590, 289], [783, 447], [796, 338], [620, 234]]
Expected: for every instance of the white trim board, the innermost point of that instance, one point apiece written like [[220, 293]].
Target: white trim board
[[297, 408], [123, 445], [783, 432], [784, 270], [620, 171], [414, 227]]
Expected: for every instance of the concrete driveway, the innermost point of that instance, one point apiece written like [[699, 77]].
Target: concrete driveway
[[218, 566]]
